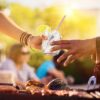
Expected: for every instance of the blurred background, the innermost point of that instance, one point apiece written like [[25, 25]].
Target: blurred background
[[82, 22]]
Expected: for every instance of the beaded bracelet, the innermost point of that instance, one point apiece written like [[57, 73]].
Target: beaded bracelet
[[27, 39], [24, 38]]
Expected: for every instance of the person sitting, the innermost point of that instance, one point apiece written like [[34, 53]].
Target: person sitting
[[17, 62], [51, 69]]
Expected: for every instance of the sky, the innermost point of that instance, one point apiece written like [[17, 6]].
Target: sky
[[82, 4]]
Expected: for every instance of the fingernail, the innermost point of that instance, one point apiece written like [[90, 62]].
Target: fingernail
[[58, 61], [65, 64]]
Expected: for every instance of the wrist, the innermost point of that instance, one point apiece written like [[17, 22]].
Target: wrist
[[25, 38], [98, 50], [31, 41], [93, 45], [98, 44]]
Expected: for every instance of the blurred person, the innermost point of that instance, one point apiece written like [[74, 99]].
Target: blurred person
[[8, 27], [2, 53], [17, 62], [51, 69]]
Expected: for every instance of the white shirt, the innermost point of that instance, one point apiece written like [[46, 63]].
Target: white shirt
[[24, 74]]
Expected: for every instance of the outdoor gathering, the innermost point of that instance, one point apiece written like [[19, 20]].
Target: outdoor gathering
[[50, 49]]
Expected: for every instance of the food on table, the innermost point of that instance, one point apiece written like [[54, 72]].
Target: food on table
[[54, 88], [35, 88]]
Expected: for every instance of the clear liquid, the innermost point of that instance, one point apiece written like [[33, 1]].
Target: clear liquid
[[46, 45]]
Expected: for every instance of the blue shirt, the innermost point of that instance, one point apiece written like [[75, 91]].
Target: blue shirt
[[44, 68]]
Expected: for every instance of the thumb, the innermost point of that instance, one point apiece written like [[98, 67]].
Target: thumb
[[44, 37]]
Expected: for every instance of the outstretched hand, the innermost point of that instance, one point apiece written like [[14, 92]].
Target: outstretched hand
[[75, 49]]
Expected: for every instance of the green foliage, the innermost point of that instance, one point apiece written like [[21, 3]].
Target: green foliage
[[37, 58], [6, 40], [3, 4], [79, 25]]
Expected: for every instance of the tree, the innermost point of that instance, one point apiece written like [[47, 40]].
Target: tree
[[3, 4]]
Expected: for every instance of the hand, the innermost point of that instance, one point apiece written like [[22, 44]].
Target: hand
[[36, 41], [76, 49]]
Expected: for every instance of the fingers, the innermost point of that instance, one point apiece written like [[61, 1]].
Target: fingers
[[59, 47], [44, 37], [60, 42], [61, 58], [71, 59], [65, 56]]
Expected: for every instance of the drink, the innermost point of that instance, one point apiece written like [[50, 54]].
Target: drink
[[52, 36], [46, 45]]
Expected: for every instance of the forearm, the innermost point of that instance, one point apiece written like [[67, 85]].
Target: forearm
[[98, 44], [8, 27], [98, 48], [57, 74]]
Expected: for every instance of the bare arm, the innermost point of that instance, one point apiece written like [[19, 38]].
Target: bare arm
[[57, 73], [8, 27]]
